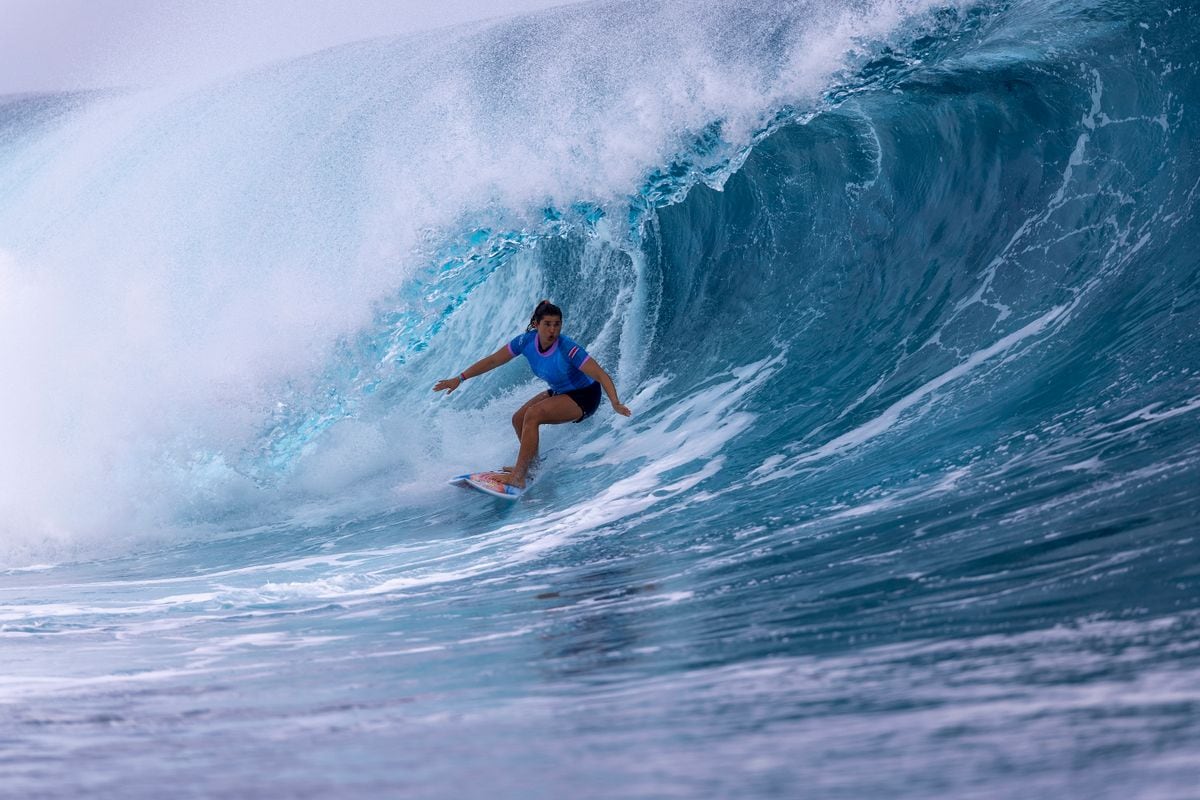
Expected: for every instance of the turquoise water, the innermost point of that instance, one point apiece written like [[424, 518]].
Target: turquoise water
[[905, 302]]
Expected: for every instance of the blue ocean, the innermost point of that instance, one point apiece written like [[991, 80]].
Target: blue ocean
[[904, 297]]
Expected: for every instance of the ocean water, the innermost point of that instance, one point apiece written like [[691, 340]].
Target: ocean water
[[905, 298]]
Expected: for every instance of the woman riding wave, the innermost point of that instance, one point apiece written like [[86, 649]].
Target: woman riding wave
[[575, 381]]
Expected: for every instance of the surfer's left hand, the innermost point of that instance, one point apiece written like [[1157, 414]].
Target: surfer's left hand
[[622, 409]]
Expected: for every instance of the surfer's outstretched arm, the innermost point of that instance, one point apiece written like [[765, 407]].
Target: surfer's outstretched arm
[[501, 356], [597, 373]]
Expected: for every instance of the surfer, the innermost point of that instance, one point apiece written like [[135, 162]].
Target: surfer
[[575, 381]]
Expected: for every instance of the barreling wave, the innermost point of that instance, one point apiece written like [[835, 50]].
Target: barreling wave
[[255, 259], [919, 222], [934, 244]]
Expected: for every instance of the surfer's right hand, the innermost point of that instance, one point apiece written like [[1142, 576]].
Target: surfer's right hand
[[448, 385]]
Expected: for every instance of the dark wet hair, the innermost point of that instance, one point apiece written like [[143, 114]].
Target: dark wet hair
[[543, 309]]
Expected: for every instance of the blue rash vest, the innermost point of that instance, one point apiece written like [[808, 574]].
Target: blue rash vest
[[559, 366]]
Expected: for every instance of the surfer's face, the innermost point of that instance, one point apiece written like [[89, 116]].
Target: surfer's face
[[548, 329]]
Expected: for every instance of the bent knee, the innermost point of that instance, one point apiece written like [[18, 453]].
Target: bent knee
[[534, 416]]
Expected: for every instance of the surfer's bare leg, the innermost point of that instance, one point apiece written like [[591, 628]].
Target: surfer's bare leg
[[551, 411], [518, 417]]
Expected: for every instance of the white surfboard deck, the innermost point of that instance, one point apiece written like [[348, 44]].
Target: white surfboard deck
[[487, 483]]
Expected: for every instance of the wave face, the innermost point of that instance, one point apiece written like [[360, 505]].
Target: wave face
[[905, 301]]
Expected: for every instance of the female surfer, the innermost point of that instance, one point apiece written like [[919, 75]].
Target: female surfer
[[575, 380]]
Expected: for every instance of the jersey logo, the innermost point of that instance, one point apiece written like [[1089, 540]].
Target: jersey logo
[[574, 350]]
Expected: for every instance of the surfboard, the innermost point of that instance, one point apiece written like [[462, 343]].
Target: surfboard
[[487, 483]]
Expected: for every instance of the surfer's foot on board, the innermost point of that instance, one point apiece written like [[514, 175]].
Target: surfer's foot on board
[[510, 477], [505, 471]]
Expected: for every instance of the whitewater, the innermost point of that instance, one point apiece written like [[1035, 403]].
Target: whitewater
[[904, 297]]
